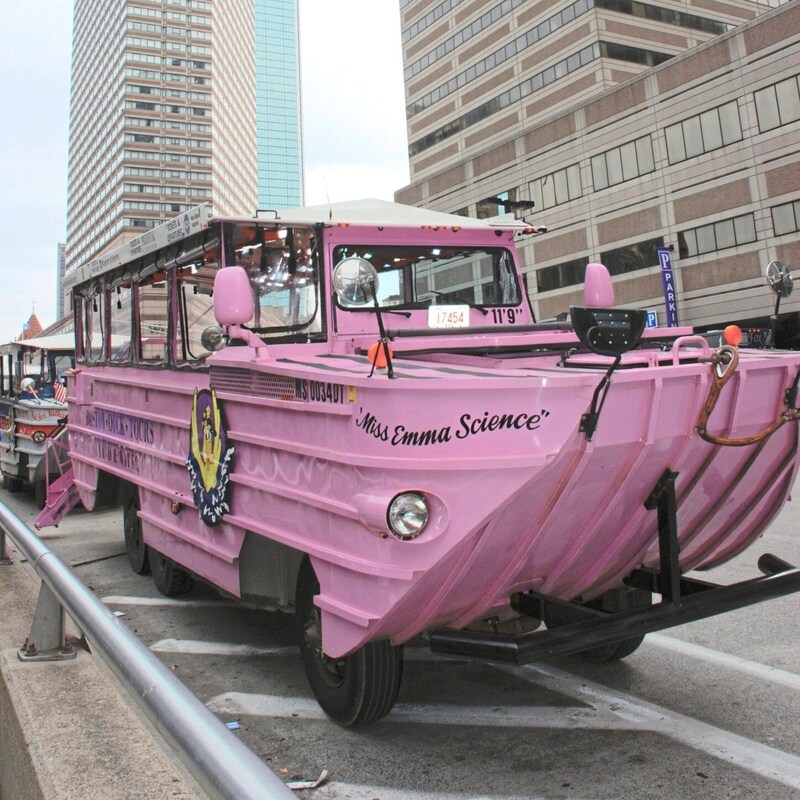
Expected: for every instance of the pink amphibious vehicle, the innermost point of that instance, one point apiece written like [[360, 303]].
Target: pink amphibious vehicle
[[350, 410]]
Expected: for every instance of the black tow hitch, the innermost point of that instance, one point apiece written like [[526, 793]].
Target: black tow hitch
[[580, 627]]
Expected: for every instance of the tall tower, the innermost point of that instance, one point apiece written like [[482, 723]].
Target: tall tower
[[626, 127], [278, 113], [163, 116], [475, 74], [61, 265]]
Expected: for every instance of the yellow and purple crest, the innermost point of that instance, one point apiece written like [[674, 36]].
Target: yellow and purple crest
[[209, 459]]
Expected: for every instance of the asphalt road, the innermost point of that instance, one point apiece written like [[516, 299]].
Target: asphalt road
[[711, 708]]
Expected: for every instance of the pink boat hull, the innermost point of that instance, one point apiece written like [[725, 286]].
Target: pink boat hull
[[520, 499]]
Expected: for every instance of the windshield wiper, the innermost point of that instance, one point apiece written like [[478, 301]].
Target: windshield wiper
[[455, 296]]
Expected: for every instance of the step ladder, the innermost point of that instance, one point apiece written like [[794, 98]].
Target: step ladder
[[62, 493]]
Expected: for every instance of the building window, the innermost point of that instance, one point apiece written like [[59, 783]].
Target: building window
[[559, 276], [786, 218], [778, 104], [641, 255], [557, 188], [703, 133], [624, 52], [499, 205], [508, 51], [525, 89], [623, 163], [717, 236], [668, 15]]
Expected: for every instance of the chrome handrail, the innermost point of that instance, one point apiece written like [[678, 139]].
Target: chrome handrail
[[224, 766]]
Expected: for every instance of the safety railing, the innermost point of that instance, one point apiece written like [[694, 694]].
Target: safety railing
[[221, 763]]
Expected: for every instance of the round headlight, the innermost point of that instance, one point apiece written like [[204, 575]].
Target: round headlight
[[39, 436], [407, 515]]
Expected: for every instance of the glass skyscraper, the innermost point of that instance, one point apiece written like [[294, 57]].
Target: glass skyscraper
[[278, 115]]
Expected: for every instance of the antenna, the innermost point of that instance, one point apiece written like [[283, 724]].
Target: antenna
[[327, 197]]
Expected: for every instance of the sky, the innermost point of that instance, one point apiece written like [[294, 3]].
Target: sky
[[355, 141]]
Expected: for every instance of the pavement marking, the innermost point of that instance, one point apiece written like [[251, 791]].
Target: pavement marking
[[761, 671], [558, 717], [204, 647], [129, 600], [195, 647], [332, 790], [607, 709], [123, 600], [748, 754]]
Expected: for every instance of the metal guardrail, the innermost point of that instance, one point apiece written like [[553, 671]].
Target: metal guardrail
[[222, 764]]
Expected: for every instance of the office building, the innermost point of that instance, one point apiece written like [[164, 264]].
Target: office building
[[61, 266], [278, 112], [631, 126], [163, 115]]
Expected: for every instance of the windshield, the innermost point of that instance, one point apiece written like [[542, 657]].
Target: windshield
[[281, 263], [414, 276]]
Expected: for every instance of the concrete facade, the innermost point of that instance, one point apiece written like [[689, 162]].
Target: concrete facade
[[152, 133], [700, 151]]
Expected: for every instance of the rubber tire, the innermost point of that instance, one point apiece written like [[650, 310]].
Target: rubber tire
[[40, 493], [170, 579], [11, 484], [356, 690], [622, 599], [136, 549]]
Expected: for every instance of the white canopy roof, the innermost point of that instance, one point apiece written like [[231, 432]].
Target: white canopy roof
[[383, 212], [352, 212], [58, 341]]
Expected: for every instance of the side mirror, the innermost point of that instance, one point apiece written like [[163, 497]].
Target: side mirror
[[355, 281], [233, 296], [779, 278]]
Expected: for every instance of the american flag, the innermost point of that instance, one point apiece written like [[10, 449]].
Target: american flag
[[60, 392]]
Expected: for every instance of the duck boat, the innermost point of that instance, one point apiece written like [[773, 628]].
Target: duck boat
[[350, 411], [33, 407]]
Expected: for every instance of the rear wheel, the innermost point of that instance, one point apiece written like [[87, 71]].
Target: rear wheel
[[12, 484], [170, 579], [40, 493], [354, 690], [625, 598], [134, 541]]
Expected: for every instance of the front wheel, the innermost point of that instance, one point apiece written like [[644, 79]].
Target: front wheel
[[354, 690], [170, 579]]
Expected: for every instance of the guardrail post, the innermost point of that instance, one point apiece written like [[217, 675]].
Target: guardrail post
[[4, 559], [47, 639]]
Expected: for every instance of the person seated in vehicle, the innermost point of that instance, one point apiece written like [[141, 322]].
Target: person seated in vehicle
[[27, 389]]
